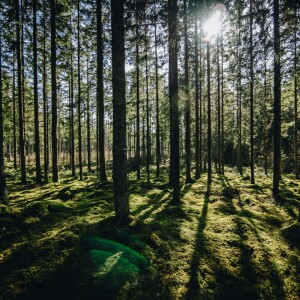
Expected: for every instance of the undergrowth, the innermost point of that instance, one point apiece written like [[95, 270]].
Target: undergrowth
[[60, 241]]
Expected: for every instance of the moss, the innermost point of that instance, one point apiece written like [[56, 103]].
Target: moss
[[233, 243]]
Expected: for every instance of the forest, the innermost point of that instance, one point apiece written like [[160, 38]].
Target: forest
[[149, 149]]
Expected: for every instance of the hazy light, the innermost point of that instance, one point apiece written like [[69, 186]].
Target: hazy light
[[213, 25]]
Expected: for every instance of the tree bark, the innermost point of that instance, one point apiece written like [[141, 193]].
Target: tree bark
[[208, 119], [173, 94], [20, 94], [3, 188], [119, 112], [197, 134], [158, 158], [35, 100], [54, 93], [188, 178], [100, 94], [251, 97], [79, 93], [277, 104], [148, 158], [137, 58], [45, 101]]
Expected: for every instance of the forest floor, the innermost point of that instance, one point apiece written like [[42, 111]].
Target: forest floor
[[60, 241]]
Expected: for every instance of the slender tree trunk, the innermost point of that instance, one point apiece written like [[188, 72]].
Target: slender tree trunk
[[158, 158], [79, 93], [187, 102], [138, 141], [148, 158], [72, 104], [277, 104], [14, 113], [251, 97], [100, 93], [219, 105], [173, 93], [119, 112], [26, 142], [36, 102], [20, 100], [3, 188], [265, 110], [45, 101], [88, 128], [208, 118], [239, 96], [201, 121], [222, 104], [54, 93], [296, 102], [197, 136]]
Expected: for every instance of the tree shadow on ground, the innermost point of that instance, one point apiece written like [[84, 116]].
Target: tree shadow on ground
[[248, 283], [194, 282]]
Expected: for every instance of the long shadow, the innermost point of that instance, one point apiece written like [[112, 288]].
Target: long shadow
[[154, 201], [194, 284]]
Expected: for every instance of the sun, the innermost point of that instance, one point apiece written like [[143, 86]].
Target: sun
[[213, 25]]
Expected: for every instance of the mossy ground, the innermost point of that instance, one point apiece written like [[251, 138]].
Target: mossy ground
[[60, 241]]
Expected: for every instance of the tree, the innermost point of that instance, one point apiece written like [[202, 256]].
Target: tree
[[54, 93], [173, 94], [209, 170], [187, 102], [36, 102], [137, 61], [3, 189], [79, 92], [119, 111], [45, 100], [198, 153], [251, 96], [277, 104], [20, 94], [100, 96]]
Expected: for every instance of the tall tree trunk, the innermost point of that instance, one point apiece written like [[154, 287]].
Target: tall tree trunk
[[219, 105], [173, 94], [119, 112], [188, 178], [251, 97], [148, 158], [36, 102], [100, 93], [197, 134], [20, 94], [45, 101], [222, 103], [158, 158], [277, 104], [208, 118], [54, 93], [296, 101], [3, 188], [72, 104], [14, 113], [79, 93], [88, 117], [239, 95], [138, 141], [265, 110]]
